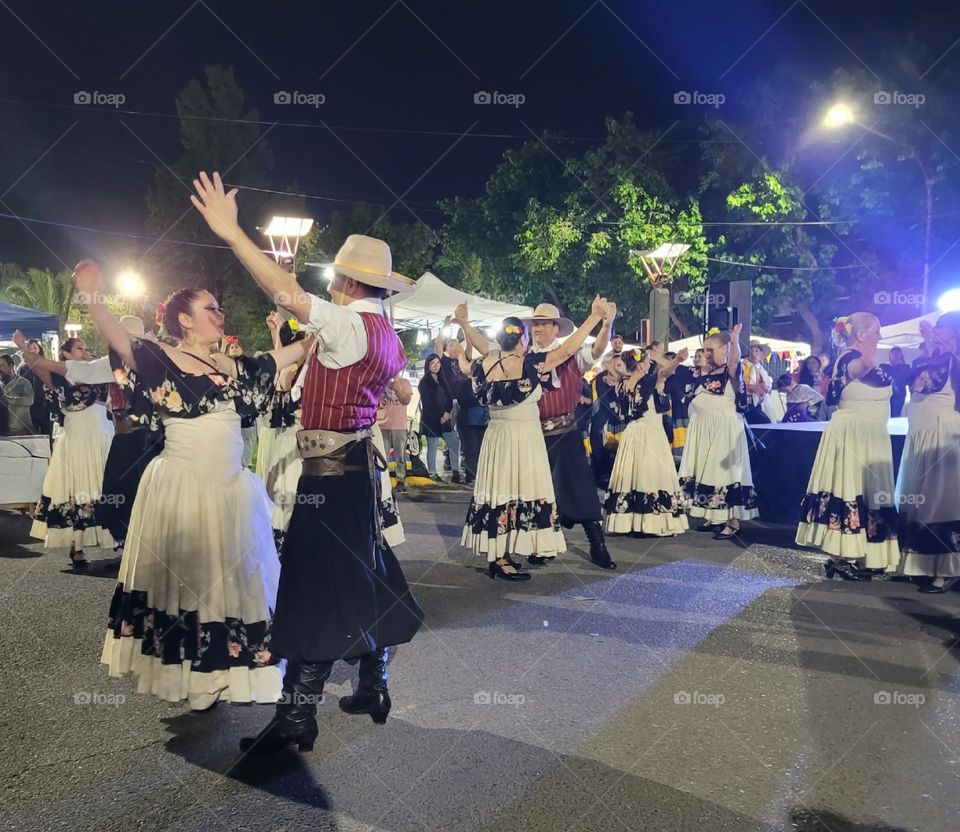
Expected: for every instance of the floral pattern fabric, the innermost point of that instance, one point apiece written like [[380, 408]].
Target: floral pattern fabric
[[718, 497], [174, 639], [65, 397], [850, 516], [930, 375], [516, 515], [71, 515], [162, 389], [508, 392], [717, 382], [633, 404], [875, 377], [637, 502]]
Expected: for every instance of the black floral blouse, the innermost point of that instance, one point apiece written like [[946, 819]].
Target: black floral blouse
[[633, 404], [65, 397], [876, 377], [162, 389], [717, 382], [930, 374], [508, 392]]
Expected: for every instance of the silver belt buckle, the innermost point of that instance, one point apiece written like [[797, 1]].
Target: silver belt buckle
[[549, 425]]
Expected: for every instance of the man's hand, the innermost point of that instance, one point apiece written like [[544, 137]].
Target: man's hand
[[19, 340], [88, 280], [611, 312], [219, 209], [599, 307], [735, 332], [460, 314], [683, 355]]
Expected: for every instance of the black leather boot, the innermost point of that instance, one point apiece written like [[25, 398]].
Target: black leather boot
[[372, 696], [598, 547], [295, 718]]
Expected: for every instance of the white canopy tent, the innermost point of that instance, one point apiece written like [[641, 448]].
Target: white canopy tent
[[433, 300], [906, 333]]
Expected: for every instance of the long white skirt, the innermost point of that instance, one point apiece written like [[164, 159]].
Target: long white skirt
[[67, 513], [928, 487], [513, 510], [266, 451], [191, 615], [644, 493], [849, 510], [282, 476], [715, 472]]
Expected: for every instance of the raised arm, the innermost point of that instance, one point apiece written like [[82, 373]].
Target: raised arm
[[475, 338], [556, 357], [439, 342], [89, 282], [670, 365], [36, 362], [292, 353], [219, 209], [733, 354], [606, 331], [274, 322]]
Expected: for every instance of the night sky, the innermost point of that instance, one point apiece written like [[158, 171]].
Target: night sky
[[408, 65]]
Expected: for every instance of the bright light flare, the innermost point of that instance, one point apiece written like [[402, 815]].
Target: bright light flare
[[130, 284], [949, 301], [839, 115]]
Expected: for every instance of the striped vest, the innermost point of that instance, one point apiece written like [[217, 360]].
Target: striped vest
[[562, 400], [346, 398]]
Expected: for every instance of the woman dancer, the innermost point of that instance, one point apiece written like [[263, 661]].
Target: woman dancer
[[190, 617], [849, 510], [72, 488], [514, 510], [928, 488], [715, 469], [644, 496], [436, 417]]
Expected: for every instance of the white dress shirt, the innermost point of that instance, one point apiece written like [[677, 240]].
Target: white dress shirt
[[584, 355], [97, 371], [341, 336]]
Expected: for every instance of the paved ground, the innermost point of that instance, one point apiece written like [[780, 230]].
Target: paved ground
[[704, 686]]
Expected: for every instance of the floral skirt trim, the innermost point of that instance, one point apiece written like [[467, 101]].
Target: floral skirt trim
[[637, 502], [849, 516], [177, 639], [519, 527], [719, 502], [71, 515]]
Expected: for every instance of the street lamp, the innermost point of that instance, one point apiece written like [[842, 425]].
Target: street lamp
[[72, 330], [284, 234], [659, 264], [840, 115], [130, 284]]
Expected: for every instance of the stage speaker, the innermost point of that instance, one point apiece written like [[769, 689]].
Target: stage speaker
[[659, 315], [729, 303]]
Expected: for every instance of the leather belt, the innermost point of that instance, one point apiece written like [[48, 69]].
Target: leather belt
[[558, 424], [320, 443]]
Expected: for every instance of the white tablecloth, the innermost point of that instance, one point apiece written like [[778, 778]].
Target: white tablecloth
[[23, 465]]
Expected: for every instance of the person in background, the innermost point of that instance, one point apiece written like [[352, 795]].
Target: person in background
[[679, 387], [803, 401], [811, 373], [392, 419], [616, 345], [248, 418], [899, 372], [436, 417], [18, 397], [40, 415], [471, 416], [759, 384], [605, 421]]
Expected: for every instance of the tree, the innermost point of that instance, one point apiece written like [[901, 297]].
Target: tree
[[43, 290]]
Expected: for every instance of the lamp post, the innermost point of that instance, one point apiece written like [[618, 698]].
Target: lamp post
[[839, 116], [659, 264], [284, 234]]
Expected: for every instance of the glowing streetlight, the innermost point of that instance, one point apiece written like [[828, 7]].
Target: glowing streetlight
[[949, 301], [130, 284], [284, 234], [72, 330], [328, 272], [839, 115]]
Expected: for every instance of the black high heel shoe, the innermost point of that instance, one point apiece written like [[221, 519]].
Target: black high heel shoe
[[845, 571], [279, 733], [947, 586], [497, 571], [734, 532], [78, 562], [536, 560], [708, 527]]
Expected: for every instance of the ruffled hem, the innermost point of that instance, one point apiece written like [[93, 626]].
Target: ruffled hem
[[883, 555], [178, 682], [718, 504], [917, 565], [660, 525], [90, 537], [545, 543]]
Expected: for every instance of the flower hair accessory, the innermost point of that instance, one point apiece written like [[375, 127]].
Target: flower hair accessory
[[294, 325], [512, 329], [714, 330], [161, 311], [638, 355]]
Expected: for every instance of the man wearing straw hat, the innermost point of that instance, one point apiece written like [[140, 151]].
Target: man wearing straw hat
[[342, 594], [577, 499]]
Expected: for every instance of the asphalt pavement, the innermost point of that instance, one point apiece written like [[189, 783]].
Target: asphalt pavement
[[704, 685]]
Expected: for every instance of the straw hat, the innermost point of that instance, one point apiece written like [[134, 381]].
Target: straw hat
[[548, 312], [368, 260], [132, 324]]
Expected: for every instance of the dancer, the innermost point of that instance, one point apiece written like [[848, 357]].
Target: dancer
[[342, 593], [138, 436], [928, 487], [715, 470], [513, 510], [849, 511], [73, 486], [573, 484], [190, 616], [644, 496]]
